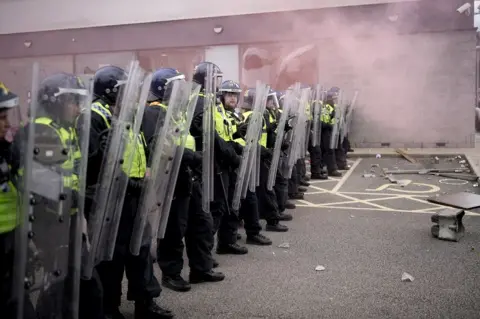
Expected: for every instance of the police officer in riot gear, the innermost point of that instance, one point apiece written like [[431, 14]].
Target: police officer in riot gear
[[225, 160], [268, 202], [187, 218], [229, 94], [9, 166], [143, 287], [328, 120]]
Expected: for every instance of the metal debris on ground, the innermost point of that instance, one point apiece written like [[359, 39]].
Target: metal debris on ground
[[465, 177], [319, 268], [406, 156], [448, 224], [427, 171], [462, 200], [406, 277], [284, 245], [391, 179]]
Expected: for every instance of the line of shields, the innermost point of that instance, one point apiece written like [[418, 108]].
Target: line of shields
[[65, 225]]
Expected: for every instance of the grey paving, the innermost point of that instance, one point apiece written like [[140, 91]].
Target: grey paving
[[364, 253]]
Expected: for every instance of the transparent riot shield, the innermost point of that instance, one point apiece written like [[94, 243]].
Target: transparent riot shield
[[208, 138], [348, 117], [51, 182], [166, 155], [249, 151], [298, 133], [123, 136], [279, 138], [338, 124], [317, 113]]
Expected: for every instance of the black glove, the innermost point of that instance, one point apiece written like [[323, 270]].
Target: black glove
[[266, 154], [235, 162], [285, 146], [136, 184], [242, 130], [273, 126]]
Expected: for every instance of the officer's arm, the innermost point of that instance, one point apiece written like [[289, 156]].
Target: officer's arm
[[97, 132]]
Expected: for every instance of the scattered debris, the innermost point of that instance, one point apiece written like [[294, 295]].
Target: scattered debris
[[391, 179], [462, 162], [375, 165], [406, 277], [368, 175], [404, 182], [319, 268], [284, 245], [475, 185], [406, 156], [352, 216], [462, 200], [465, 177], [458, 157], [437, 160], [426, 171], [448, 224]]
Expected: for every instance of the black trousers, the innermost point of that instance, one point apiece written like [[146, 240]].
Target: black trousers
[[267, 200], [225, 222], [315, 159], [301, 168], [327, 152], [187, 220], [250, 214], [8, 302], [293, 182], [142, 284], [281, 190]]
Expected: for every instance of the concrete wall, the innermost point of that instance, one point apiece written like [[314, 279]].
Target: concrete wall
[[413, 63], [46, 15]]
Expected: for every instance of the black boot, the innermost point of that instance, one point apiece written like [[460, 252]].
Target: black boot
[[304, 183], [285, 217], [176, 283], [209, 276], [239, 236], [113, 314], [320, 176], [277, 227], [258, 239], [296, 196], [335, 174], [148, 309], [290, 205], [215, 264], [302, 189], [345, 167], [231, 249]]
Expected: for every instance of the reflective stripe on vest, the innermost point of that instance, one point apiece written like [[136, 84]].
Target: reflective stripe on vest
[[136, 145], [8, 209], [70, 143], [264, 137], [190, 141], [326, 116]]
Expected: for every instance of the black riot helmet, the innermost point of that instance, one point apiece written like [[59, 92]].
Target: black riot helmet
[[108, 82], [200, 73], [249, 99], [161, 85], [227, 88], [60, 96]]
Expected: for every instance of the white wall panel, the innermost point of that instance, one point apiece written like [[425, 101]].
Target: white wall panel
[[44, 15], [226, 57], [89, 63]]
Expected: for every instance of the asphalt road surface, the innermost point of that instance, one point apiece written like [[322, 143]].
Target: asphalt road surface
[[365, 235]]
